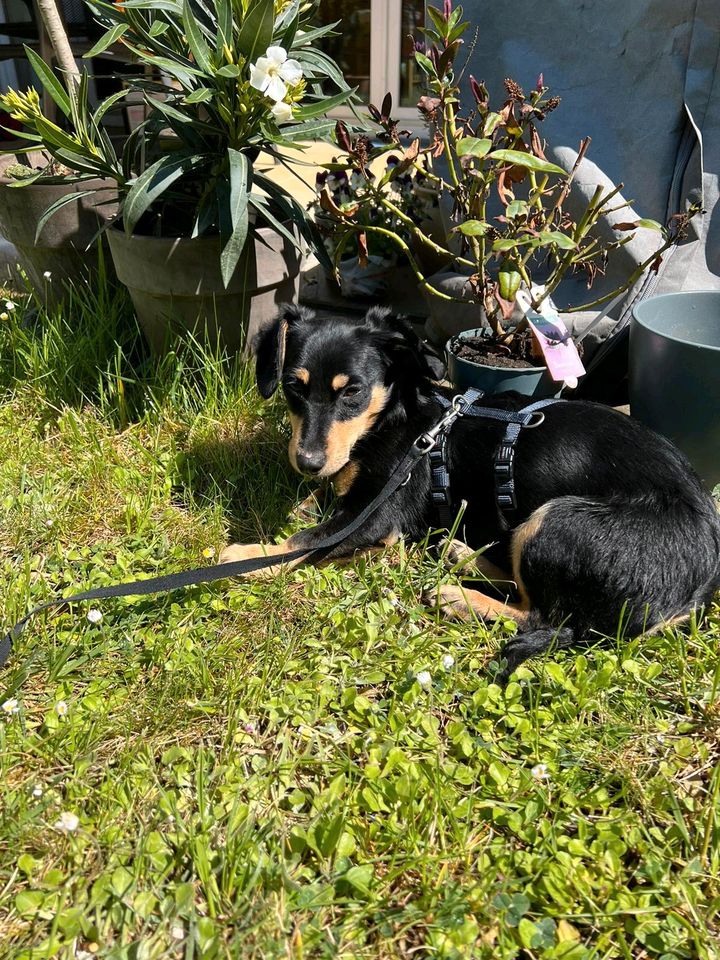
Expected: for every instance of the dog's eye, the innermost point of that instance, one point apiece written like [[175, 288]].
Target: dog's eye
[[350, 392]]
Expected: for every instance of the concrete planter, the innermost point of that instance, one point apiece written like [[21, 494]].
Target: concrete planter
[[175, 285], [65, 246], [532, 382], [675, 373]]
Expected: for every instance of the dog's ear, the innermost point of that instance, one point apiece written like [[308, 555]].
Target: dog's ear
[[401, 342], [270, 348]]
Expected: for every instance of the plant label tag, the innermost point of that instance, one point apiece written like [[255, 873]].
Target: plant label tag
[[557, 346]]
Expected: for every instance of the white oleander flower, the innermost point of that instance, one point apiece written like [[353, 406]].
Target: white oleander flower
[[10, 706], [424, 679], [282, 111], [94, 616], [273, 73], [68, 822], [61, 708], [448, 661]]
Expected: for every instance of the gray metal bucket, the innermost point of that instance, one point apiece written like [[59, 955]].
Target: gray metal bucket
[[675, 373]]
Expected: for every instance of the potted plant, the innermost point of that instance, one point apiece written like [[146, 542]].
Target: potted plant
[[519, 238], [52, 254], [203, 238], [367, 260]]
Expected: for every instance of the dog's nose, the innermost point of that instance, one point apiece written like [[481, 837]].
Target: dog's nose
[[310, 461]]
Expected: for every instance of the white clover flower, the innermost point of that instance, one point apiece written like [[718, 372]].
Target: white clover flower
[[61, 708], [68, 822], [177, 931], [94, 616], [9, 306], [273, 73], [47, 275], [37, 790], [49, 523], [249, 728], [209, 553], [282, 111], [448, 661], [10, 706], [424, 679], [540, 771]]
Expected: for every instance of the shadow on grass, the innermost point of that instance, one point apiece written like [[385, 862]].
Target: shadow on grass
[[247, 475]]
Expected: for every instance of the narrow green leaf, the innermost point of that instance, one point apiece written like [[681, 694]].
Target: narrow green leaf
[[152, 184], [223, 9], [425, 64], [491, 122], [520, 159], [559, 239], [158, 29], [58, 205], [472, 147], [311, 130], [230, 70], [107, 104], [319, 65], [238, 207], [309, 36], [441, 24], [107, 40], [255, 34], [49, 80], [321, 107], [196, 41], [650, 224], [474, 228]]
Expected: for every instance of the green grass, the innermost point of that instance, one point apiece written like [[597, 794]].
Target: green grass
[[256, 771]]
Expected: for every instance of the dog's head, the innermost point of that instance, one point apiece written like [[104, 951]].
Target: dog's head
[[341, 377]]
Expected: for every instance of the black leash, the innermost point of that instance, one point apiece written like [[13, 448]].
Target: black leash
[[425, 443]]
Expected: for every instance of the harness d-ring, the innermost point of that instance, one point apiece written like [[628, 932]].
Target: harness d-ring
[[540, 420]]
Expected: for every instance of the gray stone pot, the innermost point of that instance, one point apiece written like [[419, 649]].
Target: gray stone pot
[[675, 373], [65, 247], [175, 285]]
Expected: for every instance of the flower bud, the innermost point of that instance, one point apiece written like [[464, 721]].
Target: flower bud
[[540, 83], [447, 9]]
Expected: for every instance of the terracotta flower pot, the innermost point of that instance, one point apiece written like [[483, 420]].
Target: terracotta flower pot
[[67, 247], [175, 285]]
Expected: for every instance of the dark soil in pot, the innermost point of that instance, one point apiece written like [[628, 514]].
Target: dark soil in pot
[[492, 353]]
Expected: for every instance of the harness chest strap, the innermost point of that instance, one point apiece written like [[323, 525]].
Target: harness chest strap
[[503, 458]]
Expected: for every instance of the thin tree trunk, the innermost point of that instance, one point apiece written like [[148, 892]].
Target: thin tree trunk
[[60, 43]]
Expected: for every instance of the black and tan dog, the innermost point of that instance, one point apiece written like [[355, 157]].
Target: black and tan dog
[[614, 526]]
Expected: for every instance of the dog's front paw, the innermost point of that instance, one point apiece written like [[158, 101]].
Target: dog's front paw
[[252, 551], [450, 600]]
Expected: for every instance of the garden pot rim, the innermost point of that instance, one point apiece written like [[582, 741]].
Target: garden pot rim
[[646, 322], [465, 334], [116, 227]]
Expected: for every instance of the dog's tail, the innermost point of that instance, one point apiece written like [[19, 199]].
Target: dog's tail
[[530, 644]]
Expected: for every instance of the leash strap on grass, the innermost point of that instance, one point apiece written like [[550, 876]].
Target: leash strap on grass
[[460, 406]]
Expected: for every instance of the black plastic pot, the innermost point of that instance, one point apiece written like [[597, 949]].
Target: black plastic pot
[[532, 382], [675, 373]]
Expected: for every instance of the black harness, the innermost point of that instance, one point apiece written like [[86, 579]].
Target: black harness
[[503, 459], [431, 443]]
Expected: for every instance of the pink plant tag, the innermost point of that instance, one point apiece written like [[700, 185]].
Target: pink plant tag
[[557, 346]]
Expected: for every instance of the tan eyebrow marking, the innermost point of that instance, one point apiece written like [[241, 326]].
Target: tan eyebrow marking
[[339, 381], [303, 375]]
